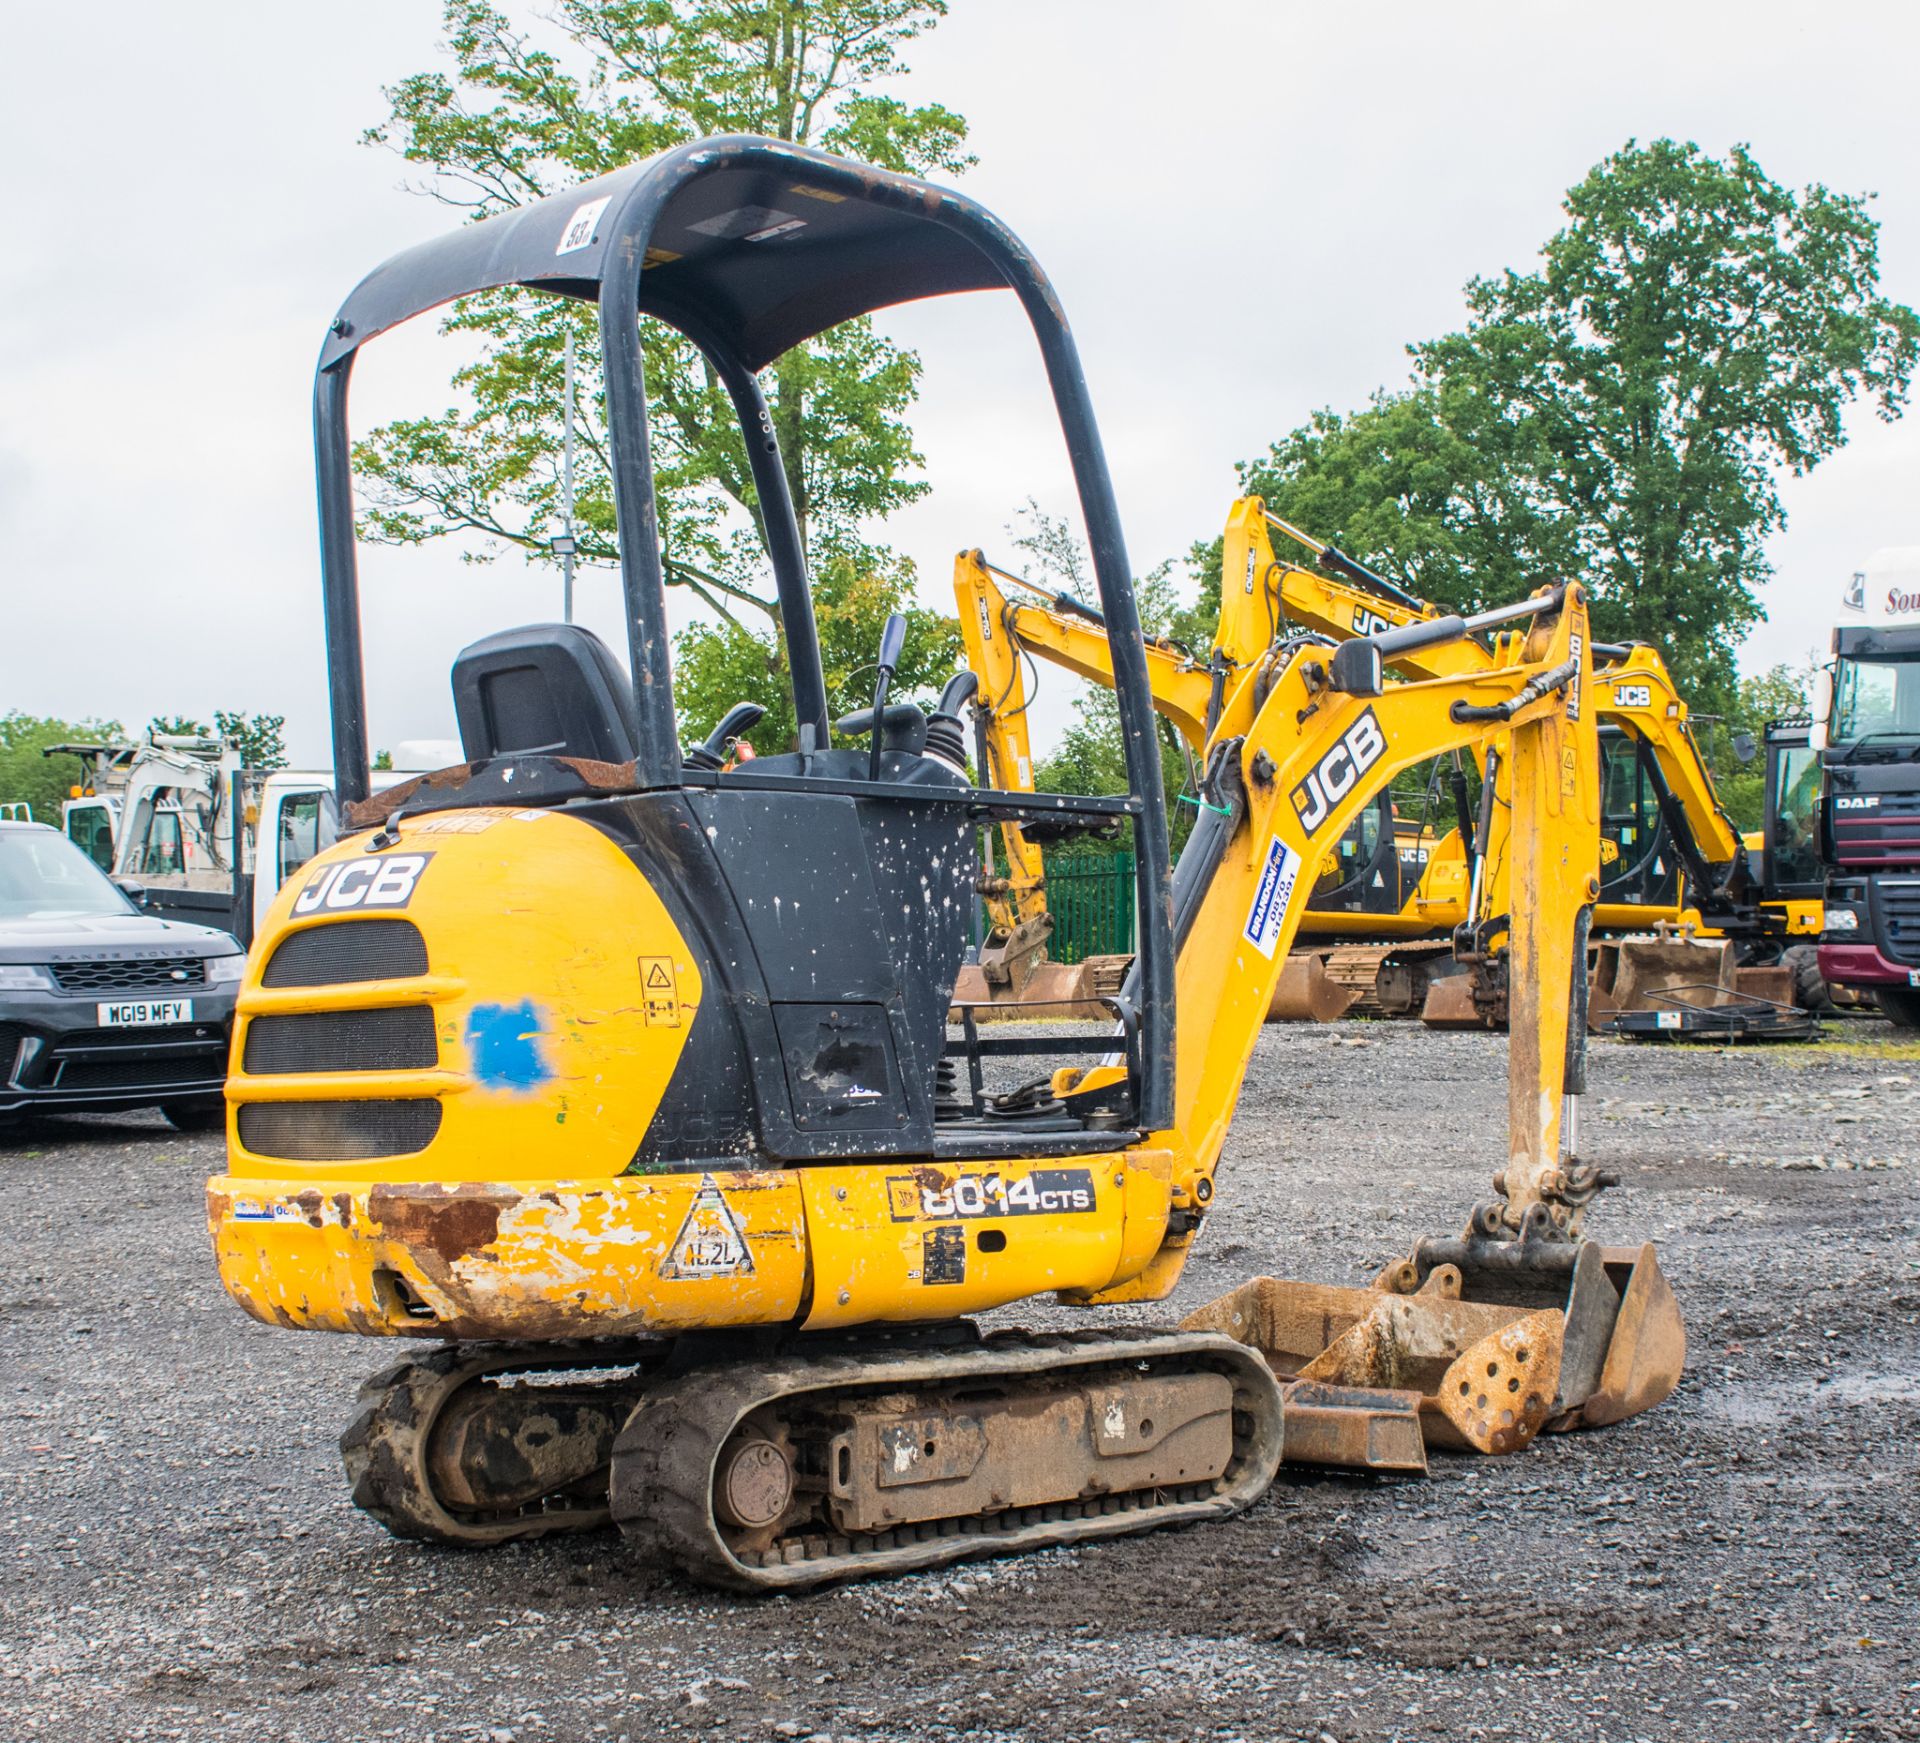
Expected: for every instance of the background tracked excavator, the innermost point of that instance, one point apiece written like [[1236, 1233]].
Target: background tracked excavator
[[1728, 910], [624, 1080], [1724, 912]]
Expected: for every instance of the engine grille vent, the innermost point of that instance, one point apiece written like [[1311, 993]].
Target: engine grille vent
[[128, 975], [398, 1038], [338, 1131], [348, 950]]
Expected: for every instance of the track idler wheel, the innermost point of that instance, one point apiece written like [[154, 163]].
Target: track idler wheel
[[467, 1446]]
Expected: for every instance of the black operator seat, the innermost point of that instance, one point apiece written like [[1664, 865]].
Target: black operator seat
[[546, 689]]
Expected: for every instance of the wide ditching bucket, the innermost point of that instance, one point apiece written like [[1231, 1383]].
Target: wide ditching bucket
[[1470, 1345]]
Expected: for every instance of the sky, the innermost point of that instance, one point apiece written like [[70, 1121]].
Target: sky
[[1249, 208]]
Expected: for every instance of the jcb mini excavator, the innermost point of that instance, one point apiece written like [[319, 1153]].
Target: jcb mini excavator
[[1672, 861], [624, 1079]]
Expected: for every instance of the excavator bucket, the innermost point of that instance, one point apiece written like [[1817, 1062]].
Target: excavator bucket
[[1451, 1004], [1371, 1379], [1623, 1346], [1628, 974], [1478, 1351], [1307, 994]]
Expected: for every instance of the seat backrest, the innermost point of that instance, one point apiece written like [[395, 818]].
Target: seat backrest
[[550, 689]]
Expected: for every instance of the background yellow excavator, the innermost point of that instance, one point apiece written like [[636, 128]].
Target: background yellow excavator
[[1727, 909], [1672, 861], [625, 1080]]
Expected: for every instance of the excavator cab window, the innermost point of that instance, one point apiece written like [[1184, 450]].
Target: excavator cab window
[[1792, 823], [831, 887], [1637, 863]]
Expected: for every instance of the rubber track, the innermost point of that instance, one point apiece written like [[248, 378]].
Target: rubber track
[[385, 1446], [663, 1460]]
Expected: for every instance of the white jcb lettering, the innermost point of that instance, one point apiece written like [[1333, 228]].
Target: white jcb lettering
[[308, 901], [374, 882], [1335, 775]]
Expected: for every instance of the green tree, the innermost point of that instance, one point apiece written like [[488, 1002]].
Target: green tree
[[602, 83], [26, 776], [717, 665], [1622, 415], [1778, 693]]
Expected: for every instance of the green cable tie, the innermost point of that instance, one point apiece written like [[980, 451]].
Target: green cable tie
[[1202, 805]]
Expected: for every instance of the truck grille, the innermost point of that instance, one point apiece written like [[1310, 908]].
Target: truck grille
[[129, 974], [345, 951], [1879, 838], [1899, 905], [338, 1131], [396, 1038]]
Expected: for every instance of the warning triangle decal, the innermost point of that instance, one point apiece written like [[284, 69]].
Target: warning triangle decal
[[657, 976], [711, 1242]]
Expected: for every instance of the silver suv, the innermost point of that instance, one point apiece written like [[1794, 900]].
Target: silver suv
[[103, 1006]]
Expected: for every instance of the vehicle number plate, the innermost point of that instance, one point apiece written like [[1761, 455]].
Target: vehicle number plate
[[1913, 977], [145, 1013]]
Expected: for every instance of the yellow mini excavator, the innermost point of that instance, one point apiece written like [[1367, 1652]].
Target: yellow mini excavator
[[1718, 904], [1399, 922], [624, 1080]]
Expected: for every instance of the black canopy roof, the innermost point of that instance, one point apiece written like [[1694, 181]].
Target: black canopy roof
[[748, 241]]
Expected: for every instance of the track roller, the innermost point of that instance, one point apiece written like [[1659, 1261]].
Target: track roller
[[779, 1474]]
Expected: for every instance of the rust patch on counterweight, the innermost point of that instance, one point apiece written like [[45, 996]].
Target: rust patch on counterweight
[[461, 1221]]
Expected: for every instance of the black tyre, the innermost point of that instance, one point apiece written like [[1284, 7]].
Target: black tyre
[[1809, 986], [203, 1113], [1899, 1004]]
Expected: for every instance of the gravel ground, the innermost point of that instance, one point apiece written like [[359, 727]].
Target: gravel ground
[[180, 1558]]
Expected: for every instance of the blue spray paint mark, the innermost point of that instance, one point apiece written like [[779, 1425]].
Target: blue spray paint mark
[[504, 1041]]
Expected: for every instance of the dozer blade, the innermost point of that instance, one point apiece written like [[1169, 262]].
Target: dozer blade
[[1306, 994], [1623, 1346], [1482, 1375]]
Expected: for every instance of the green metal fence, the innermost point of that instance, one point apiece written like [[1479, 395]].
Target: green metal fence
[[1091, 900]]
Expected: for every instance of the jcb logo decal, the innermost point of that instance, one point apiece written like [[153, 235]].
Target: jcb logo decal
[[1367, 622], [1632, 696], [1332, 777], [381, 881]]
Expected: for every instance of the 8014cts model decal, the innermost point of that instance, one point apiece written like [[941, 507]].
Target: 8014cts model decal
[[381, 881], [1044, 1192]]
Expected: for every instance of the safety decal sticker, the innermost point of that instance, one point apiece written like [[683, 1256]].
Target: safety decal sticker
[[711, 1242], [943, 1254], [1044, 1192], [1270, 899], [660, 989], [383, 881], [581, 226]]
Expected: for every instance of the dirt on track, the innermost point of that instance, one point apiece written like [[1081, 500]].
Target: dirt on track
[[180, 1560]]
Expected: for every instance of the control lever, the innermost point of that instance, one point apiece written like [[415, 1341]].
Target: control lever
[[741, 717], [892, 640], [945, 739]]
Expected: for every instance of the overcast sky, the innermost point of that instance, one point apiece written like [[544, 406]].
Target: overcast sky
[[1249, 208]]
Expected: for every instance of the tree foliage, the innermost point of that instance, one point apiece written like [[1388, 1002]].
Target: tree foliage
[[259, 738], [41, 781], [600, 84], [1759, 697], [1623, 414]]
